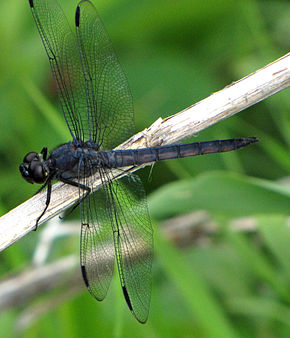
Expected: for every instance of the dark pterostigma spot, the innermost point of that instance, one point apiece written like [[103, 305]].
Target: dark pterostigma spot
[[125, 292], [31, 3], [85, 277], [77, 18]]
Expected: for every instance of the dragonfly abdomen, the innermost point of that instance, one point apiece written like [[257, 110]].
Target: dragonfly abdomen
[[123, 158]]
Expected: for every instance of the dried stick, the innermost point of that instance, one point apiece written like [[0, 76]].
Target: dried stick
[[232, 99]]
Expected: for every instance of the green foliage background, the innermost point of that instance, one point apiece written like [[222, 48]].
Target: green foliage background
[[174, 53]]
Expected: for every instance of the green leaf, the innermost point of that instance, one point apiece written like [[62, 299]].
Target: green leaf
[[194, 290], [222, 193], [260, 308], [276, 234]]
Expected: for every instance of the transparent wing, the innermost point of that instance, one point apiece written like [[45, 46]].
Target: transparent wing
[[60, 45], [110, 108], [115, 222], [133, 239], [97, 246]]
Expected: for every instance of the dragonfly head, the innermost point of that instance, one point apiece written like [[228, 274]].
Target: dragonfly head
[[33, 168]]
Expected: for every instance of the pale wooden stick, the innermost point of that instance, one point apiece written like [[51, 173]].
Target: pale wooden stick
[[232, 99]]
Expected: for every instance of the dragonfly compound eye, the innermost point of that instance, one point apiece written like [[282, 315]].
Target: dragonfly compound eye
[[30, 157], [32, 169], [38, 172], [26, 173]]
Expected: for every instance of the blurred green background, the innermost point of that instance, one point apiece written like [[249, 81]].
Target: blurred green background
[[223, 283]]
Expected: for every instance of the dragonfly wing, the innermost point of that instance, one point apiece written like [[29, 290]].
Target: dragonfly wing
[[97, 249], [133, 240], [97, 245], [116, 223], [60, 45], [110, 107]]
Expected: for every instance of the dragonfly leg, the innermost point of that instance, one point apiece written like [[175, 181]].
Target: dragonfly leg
[[49, 185], [79, 185], [44, 153], [42, 187]]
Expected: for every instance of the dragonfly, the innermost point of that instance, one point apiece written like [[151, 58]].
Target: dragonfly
[[97, 107]]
